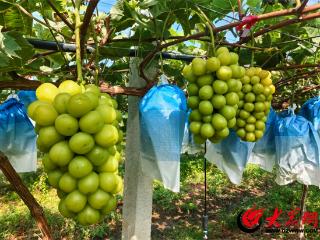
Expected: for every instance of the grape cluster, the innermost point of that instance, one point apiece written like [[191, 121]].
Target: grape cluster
[[78, 133], [213, 87], [254, 104]]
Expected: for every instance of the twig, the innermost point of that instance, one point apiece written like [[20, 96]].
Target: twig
[[304, 75], [280, 25], [18, 186], [240, 10], [23, 83], [55, 39], [285, 12], [301, 7], [295, 66], [40, 55], [62, 17], [105, 39], [114, 90], [204, 39], [16, 76], [249, 47], [86, 22], [300, 93], [298, 3], [43, 54]]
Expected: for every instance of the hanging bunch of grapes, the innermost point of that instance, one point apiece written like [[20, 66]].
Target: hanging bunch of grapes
[[78, 132], [255, 104], [224, 95], [213, 88]]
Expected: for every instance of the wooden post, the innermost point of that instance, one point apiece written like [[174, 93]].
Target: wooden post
[[137, 208], [17, 184]]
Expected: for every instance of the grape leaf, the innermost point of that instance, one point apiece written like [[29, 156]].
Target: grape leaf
[[14, 51]]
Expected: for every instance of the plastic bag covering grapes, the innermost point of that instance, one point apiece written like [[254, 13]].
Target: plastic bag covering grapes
[[264, 151], [17, 136], [186, 135], [188, 144], [297, 150], [26, 97], [163, 113], [230, 156], [311, 111]]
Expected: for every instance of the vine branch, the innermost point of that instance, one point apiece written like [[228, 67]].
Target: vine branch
[[86, 22], [114, 90], [303, 75], [285, 12], [26, 84], [280, 25], [18, 186], [240, 10], [106, 38], [302, 6], [62, 17], [295, 66]]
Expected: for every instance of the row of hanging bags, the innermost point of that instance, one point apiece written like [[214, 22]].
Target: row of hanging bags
[[290, 143], [17, 136]]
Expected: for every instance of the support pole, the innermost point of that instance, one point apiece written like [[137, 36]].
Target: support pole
[[18, 186], [302, 209], [137, 208]]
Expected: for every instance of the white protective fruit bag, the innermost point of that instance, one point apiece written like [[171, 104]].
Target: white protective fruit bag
[[163, 113], [230, 156], [297, 150], [17, 136]]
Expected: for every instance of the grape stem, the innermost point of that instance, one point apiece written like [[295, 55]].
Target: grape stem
[[78, 44], [210, 26], [252, 52]]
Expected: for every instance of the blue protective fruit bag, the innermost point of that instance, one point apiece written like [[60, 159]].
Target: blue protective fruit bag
[[26, 97], [163, 113], [17, 136], [311, 111], [297, 150], [230, 155], [264, 151]]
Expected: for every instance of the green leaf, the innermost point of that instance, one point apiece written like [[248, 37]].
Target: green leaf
[[253, 3], [14, 20], [224, 6], [4, 6], [148, 3], [117, 11], [15, 51]]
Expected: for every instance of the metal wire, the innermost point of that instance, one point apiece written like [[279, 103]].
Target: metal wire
[[205, 213]]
